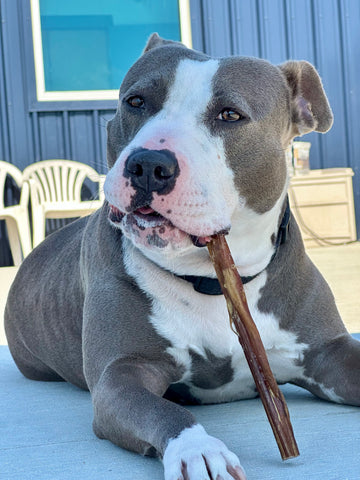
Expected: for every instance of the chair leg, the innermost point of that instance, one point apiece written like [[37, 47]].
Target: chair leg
[[14, 240], [38, 228], [24, 233]]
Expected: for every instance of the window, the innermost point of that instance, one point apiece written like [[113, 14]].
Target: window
[[83, 48]]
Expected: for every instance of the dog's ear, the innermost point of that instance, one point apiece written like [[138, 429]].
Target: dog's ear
[[156, 41], [310, 106]]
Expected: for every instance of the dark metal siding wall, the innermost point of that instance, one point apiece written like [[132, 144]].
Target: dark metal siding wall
[[325, 32], [29, 132], [77, 135]]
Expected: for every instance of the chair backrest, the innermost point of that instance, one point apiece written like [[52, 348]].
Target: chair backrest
[[59, 181], [16, 174]]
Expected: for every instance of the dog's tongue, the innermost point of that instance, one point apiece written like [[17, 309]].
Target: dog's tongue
[[145, 210]]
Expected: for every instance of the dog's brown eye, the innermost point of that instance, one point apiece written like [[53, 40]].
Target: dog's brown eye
[[136, 101], [229, 115]]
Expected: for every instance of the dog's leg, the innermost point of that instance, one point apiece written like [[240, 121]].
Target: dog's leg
[[130, 411], [128, 370], [332, 370]]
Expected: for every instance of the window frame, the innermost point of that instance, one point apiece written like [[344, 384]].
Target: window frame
[[45, 100]]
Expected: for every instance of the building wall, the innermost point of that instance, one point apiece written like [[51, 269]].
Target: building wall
[[324, 32], [30, 132]]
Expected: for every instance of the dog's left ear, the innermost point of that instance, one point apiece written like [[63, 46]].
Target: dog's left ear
[[156, 41], [310, 106]]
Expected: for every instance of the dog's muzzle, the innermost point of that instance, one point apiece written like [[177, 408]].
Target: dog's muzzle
[[152, 171], [148, 200]]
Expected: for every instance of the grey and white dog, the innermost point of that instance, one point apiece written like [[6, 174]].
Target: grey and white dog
[[124, 302]]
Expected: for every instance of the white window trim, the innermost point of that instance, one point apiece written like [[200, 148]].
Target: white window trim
[[81, 95]]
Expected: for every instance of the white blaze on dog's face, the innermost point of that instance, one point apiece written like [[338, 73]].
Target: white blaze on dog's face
[[197, 147], [202, 197]]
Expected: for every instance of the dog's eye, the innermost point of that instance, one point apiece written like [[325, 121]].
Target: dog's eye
[[136, 101], [229, 115]]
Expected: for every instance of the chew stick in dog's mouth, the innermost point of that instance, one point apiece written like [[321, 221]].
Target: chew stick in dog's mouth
[[249, 338]]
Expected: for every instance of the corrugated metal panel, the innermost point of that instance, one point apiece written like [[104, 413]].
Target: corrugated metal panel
[[349, 12], [324, 32], [5, 255], [19, 135], [4, 134], [27, 136], [79, 136]]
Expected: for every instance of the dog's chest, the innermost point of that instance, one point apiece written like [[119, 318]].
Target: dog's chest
[[202, 342]]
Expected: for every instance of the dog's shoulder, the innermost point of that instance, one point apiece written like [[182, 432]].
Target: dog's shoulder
[[302, 295]]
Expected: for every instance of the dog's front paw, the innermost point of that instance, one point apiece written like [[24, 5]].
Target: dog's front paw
[[195, 455]]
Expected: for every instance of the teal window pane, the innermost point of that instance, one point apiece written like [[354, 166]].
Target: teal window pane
[[90, 44]]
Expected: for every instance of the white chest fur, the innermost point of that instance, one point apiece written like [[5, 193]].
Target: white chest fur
[[199, 323]]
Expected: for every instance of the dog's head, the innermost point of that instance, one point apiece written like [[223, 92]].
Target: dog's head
[[196, 141]]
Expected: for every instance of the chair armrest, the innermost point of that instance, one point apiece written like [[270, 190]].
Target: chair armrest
[[33, 193], [101, 188], [24, 195]]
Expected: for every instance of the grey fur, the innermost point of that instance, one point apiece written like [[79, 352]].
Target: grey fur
[[210, 371], [74, 313]]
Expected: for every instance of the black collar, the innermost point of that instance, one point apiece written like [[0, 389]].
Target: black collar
[[211, 286]]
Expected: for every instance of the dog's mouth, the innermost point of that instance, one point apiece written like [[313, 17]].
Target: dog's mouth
[[146, 219]]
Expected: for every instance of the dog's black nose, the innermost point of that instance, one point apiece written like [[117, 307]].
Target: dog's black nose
[[152, 170]]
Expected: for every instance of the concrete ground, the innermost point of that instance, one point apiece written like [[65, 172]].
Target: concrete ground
[[46, 426], [340, 265]]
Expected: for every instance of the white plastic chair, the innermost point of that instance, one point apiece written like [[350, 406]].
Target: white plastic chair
[[16, 216], [55, 192]]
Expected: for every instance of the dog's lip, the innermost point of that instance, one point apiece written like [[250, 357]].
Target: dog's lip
[[147, 213], [115, 215], [199, 241]]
